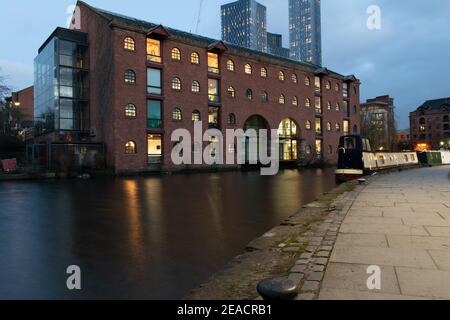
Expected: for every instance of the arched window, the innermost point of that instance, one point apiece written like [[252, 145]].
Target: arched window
[[328, 85], [308, 103], [195, 59], [308, 125], [281, 76], [130, 111], [307, 81], [230, 65], [329, 126], [263, 72], [264, 96], [330, 149], [130, 147], [129, 44], [294, 78], [355, 109], [248, 69], [337, 87], [130, 77], [176, 84], [422, 121], [295, 101], [329, 105], [177, 115], [176, 54], [231, 119], [355, 129], [195, 86], [196, 116], [249, 94], [308, 149], [282, 99], [338, 107], [231, 92], [355, 91], [338, 127]]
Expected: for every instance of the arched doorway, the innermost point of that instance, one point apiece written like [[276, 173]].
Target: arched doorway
[[288, 132], [255, 122]]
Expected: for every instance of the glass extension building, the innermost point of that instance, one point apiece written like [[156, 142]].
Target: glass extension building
[[244, 23], [305, 31]]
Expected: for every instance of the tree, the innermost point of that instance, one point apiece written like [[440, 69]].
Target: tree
[[4, 108]]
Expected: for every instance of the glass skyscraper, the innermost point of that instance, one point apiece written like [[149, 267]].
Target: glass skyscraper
[[244, 23], [305, 31]]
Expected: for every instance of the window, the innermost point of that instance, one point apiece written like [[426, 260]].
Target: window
[[338, 127], [154, 149], [318, 105], [154, 50], [329, 105], [195, 59], [176, 84], [263, 72], [154, 114], [230, 65], [176, 54], [130, 111], [308, 103], [248, 69], [213, 118], [281, 76], [355, 129], [154, 81], [355, 109], [231, 92], [355, 91], [446, 119], [346, 127], [282, 99], [249, 94], [195, 86], [177, 115], [329, 126], [345, 90], [231, 119], [337, 87], [295, 101], [129, 44], [294, 78], [130, 77], [130, 147], [264, 96], [213, 90], [318, 126], [338, 107], [196, 116], [307, 82], [319, 148], [317, 84], [308, 125], [328, 85], [213, 63], [308, 149]]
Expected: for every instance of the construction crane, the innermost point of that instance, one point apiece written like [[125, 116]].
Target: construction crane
[[199, 16]]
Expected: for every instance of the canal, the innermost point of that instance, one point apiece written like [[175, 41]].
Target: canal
[[139, 238]]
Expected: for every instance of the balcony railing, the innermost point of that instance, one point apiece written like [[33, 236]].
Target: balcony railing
[[154, 159], [214, 98], [152, 58], [154, 123], [214, 70]]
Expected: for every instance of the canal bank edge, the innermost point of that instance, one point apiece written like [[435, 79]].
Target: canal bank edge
[[299, 248]]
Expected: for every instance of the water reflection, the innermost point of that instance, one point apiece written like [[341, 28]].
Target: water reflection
[[148, 238]]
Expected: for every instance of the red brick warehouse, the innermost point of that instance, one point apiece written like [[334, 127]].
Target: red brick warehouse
[[147, 80]]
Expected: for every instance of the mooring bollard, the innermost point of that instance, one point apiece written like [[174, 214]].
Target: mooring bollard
[[277, 289]]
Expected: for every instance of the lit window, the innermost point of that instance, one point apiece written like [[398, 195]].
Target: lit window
[[308, 103], [281, 99], [195, 59], [129, 44], [248, 69], [195, 86], [176, 114], [176, 84], [196, 116], [263, 72], [281, 76], [307, 82], [294, 78], [249, 94], [154, 50], [295, 101], [130, 147], [213, 90], [231, 119], [213, 63], [264, 96], [231, 92], [328, 85], [329, 105], [130, 77], [317, 84], [338, 127], [308, 125], [230, 65], [318, 105], [176, 54], [338, 107], [130, 111], [337, 87], [308, 149], [329, 126]]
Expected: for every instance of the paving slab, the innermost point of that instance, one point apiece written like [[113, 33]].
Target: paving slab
[[415, 242], [426, 283], [383, 229]]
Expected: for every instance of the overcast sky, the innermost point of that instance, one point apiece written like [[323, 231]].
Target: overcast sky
[[409, 58]]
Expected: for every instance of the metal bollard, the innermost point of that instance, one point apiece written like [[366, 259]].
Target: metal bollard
[[277, 289]]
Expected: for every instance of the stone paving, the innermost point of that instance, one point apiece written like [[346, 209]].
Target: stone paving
[[399, 222]]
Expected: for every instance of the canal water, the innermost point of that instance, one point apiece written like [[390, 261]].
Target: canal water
[[143, 237]]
